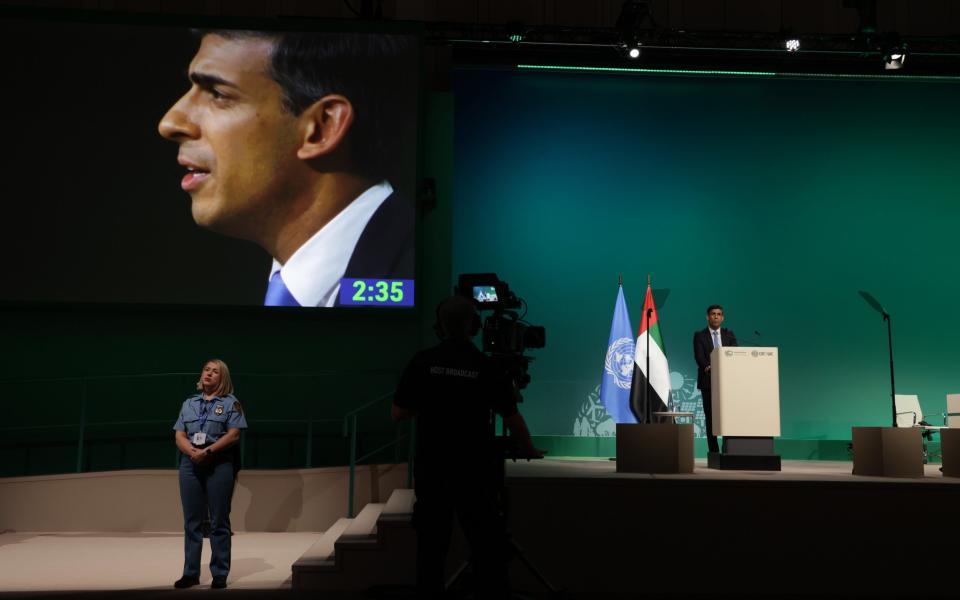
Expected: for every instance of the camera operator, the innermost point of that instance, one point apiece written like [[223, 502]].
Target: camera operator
[[452, 389]]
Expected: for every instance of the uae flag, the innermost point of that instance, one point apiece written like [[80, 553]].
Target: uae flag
[[659, 376]]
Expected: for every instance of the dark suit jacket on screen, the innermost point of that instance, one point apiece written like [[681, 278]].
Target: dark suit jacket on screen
[[702, 346], [385, 248]]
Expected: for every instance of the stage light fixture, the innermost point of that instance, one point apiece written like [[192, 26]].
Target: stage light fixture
[[633, 16], [516, 32], [894, 59], [894, 51], [792, 45], [633, 52]]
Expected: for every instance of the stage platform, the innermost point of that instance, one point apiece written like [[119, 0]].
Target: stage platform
[[812, 530]]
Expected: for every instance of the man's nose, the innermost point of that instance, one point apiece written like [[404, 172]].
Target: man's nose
[[178, 125]]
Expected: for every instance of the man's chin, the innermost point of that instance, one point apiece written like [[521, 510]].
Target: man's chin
[[206, 215], [203, 215]]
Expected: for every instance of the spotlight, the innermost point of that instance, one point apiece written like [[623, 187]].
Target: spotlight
[[894, 59], [634, 19], [894, 50], [792, 45]]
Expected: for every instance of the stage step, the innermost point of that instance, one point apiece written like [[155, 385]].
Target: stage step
[[321, 553], [377, 547], [364, 525], [400, 502]]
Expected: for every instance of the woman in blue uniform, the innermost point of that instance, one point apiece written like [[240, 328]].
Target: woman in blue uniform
[[209, 425]]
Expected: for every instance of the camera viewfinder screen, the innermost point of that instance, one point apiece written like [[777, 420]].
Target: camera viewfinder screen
[[485, 293], [167, 165]]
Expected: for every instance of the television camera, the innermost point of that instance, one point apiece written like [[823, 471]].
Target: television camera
[[506, 336]]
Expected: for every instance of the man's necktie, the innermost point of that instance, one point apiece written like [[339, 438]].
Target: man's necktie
[[278, 294], [716, 337]]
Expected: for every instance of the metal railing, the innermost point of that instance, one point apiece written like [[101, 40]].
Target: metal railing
[[349, 420], [352, 429], [82, 425]]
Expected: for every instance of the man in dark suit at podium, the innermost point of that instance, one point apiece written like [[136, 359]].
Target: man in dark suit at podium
[[704, 341]]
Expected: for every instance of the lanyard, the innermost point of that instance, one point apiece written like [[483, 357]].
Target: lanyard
[[206, 411]]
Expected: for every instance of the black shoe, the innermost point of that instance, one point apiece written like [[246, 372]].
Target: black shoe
[[219, 582], [185, 582]]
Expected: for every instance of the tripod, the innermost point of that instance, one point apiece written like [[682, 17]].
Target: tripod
[[506, 450]]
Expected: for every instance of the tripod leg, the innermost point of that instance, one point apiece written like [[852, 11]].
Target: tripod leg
[[455, 578], [519, 553]]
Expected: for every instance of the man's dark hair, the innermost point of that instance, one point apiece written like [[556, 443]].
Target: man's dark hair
[[713, 306], [371, 70], [456, 318]]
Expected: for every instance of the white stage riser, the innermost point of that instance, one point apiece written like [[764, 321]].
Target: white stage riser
[[149, 500]]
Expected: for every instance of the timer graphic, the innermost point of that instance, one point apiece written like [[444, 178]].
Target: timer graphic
[[376, 292]]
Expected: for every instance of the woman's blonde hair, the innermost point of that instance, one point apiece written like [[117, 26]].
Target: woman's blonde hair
[[226, 383]]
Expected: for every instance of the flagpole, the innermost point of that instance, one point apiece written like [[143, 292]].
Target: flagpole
[[646, 390]]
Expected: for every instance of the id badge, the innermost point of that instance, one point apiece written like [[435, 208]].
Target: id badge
[[199, 438]]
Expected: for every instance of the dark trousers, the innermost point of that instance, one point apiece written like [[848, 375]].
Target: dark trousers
[[712, 444], [204, 490], [477, 510]]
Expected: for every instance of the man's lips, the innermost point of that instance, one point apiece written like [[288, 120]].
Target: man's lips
[[196, 174], [193, 180]]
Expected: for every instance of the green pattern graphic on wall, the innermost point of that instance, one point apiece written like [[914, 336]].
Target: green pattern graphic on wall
[[778, 198]]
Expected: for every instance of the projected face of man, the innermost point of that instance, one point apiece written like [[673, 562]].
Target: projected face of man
[[715, 318], [237, 141]]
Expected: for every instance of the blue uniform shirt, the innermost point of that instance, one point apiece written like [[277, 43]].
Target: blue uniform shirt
[[213, 417]]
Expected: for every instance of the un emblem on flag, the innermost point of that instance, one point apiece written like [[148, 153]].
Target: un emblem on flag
[[619, 362]]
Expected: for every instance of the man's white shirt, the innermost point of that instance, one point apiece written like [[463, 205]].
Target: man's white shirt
[[716, 339], [312, 275]]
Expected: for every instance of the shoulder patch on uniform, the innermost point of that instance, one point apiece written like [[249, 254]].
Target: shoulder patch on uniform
[[237, 407], [218, 410]]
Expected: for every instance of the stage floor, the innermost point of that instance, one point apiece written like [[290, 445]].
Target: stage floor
[[63, 562], [580, 495]]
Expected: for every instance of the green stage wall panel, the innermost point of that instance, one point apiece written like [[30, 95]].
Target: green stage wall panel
[[778, 198]]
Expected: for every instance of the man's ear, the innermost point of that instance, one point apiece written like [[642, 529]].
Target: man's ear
[[326, 122]]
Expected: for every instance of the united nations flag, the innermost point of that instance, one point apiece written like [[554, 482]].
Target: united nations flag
[[618, 365]]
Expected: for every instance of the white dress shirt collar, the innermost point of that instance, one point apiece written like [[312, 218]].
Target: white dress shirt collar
[[313, 272]]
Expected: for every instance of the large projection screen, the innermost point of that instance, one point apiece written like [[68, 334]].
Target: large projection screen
[[159, 165]]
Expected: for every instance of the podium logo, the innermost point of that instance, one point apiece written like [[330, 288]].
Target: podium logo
[[754, 353], [729, 353]]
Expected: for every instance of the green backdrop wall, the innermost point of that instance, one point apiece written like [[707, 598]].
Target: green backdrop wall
[[777, 198]]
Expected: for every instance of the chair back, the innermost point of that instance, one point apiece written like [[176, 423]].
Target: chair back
[[953, 407], [908, 409]]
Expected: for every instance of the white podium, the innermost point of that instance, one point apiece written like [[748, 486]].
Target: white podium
[[745, 386]]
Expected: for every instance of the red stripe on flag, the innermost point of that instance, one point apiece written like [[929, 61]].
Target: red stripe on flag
[[647, 304]]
